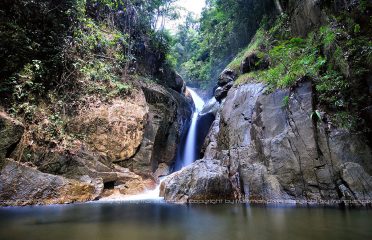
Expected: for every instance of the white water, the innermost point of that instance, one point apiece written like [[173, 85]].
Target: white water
[[149, 195], [189, 155]]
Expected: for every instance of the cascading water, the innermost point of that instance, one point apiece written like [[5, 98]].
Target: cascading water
[[190, 154]]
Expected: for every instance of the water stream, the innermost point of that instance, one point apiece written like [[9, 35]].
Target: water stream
[[189, 153]]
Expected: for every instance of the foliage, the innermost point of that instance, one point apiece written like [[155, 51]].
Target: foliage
[[62, 55], [286, 101], [291, 60], [203, 50]]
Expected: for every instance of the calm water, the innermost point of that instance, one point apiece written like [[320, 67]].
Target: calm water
[[162, 221]]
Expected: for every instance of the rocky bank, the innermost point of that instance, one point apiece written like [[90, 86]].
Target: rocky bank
[[127, 144]]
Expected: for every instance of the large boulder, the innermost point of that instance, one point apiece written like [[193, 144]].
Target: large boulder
[[168, 117], [226, 76], [113, 129], [84, 166], [171, 79], [221, 92], [11, 132], [23, 185], [203, 180]]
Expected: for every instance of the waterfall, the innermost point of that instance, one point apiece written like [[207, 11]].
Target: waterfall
[[190, 154]]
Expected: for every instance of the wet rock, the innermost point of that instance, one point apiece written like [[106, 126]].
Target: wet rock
[[226, 76], [203, 180], [210, 107], [358, 181], [11, 132], [253, 62], [163, 170], [22, 185], [221, 92]]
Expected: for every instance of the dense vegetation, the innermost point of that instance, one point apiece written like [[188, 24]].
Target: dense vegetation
[[203, 47], [50, 44], [59, 56]]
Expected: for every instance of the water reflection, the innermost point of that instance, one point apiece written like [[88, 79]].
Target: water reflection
[[108, 221]]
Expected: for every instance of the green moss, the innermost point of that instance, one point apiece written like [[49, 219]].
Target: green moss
[[245, 78], [328, 36], [286, 101], [345, 120], [290, 60]]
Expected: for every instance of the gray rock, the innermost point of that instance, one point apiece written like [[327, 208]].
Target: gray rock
[[274, 150], [226, 76], [211, 107], [221, 92], [203, 180], [358, 181], [22, 185], [306, 16], [11, 132]]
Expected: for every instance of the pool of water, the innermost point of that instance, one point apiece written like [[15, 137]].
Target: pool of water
[[121, 220]]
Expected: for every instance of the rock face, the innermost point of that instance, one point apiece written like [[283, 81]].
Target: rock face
[[11, 132], [225, 83], [89, 167], [169, 115], [22, 185], [114, 130], [221, 92], [307, 15], [274, 150]]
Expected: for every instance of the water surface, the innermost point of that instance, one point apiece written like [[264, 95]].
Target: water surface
[[120, 220]]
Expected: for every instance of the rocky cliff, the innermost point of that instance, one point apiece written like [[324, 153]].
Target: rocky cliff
[[275, 137], [261, 148]]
